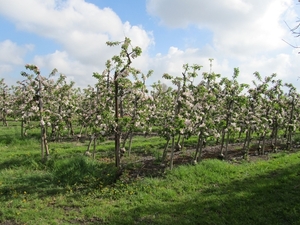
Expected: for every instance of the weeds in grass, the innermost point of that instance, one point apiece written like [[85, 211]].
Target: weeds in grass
[[82, 170]]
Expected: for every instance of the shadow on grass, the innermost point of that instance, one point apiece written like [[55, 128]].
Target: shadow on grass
[[36, 183], [58, 176], [20, 161], [273, 198], [8, 139]]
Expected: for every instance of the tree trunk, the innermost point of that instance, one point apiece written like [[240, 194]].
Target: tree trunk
[[177, 142], [182, 143], [290, 128], [117, 128], [275, 136], [90, 143], [226, 145], [44, 144], [22, 128], [263, 147], [199, 147], [172, 153], [164, 156], [130, 143], [247, 145], [222, 140], [94, 147]]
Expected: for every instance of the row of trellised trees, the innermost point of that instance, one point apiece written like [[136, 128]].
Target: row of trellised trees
[[119, 104]]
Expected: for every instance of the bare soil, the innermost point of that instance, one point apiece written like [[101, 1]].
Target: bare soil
[[152, 167]]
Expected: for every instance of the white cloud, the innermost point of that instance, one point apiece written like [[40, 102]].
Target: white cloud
[[13, 54], [203, 13], [240, 27], [246, 34], [284, 65], [4, 69], [80, 28], [11, 57], [55, 18], [75, 70], [173, 62]]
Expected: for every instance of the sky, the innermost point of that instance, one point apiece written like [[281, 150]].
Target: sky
[[71, 36]]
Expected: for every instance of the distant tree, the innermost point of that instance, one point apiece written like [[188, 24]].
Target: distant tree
[[162, 115], [206, 110], [5, 102], [182, 99], [232, 102], [34, 103], [292, 114]]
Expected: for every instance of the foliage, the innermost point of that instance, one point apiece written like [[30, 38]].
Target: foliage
[[121, 105]]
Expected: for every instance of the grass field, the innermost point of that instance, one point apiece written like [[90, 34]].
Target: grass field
[[73, 189]]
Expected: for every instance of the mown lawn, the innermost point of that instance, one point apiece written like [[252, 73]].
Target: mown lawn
[[73, 189]]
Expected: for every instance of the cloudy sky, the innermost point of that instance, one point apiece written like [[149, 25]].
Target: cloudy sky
[[70, 35]]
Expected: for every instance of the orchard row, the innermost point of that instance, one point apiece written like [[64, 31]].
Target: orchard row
[[120, 104]]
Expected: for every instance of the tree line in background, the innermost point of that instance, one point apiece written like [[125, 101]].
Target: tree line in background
[[120, 104]]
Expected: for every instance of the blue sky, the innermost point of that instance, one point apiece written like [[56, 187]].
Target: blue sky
[[70, 35]]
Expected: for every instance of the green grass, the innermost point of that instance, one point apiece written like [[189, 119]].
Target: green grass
[[72, 189]]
